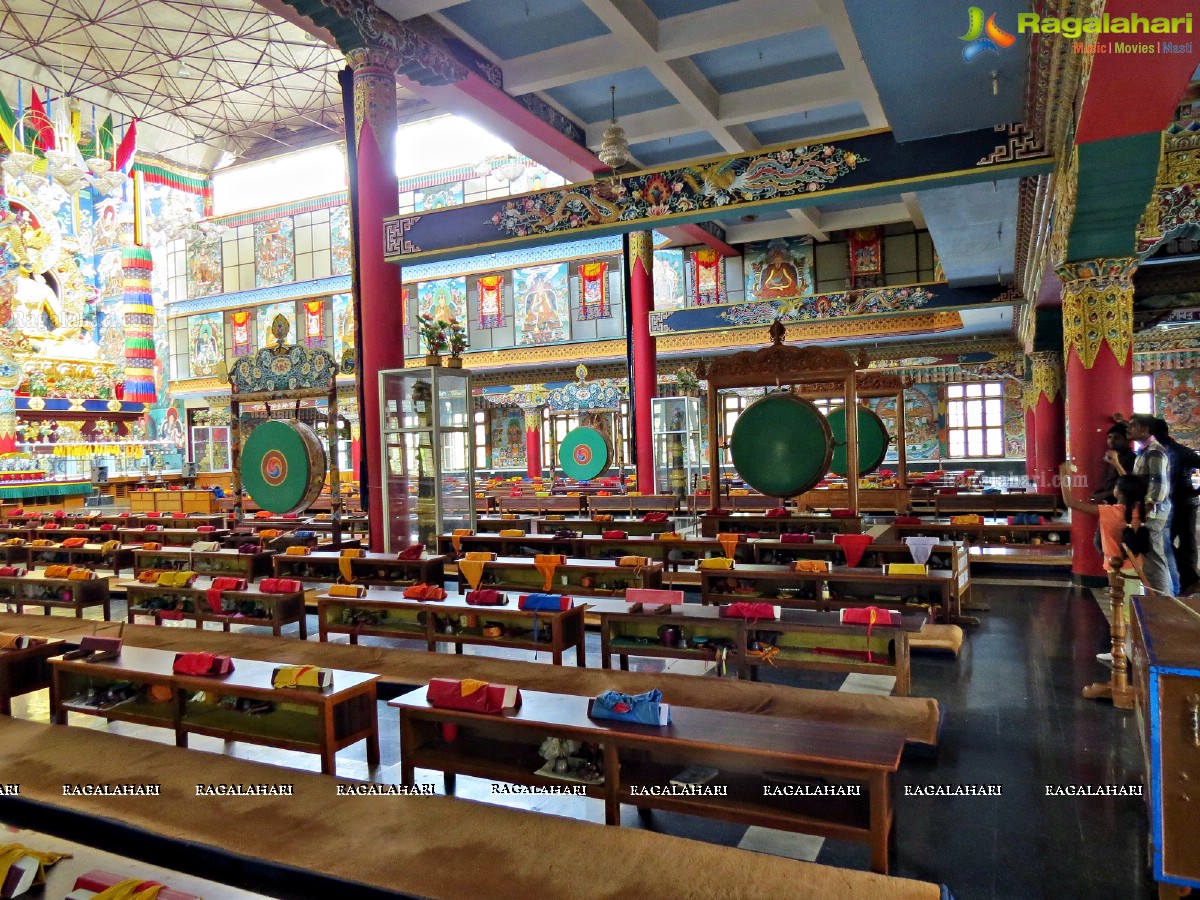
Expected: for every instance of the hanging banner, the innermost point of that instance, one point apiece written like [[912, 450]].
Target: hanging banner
[[542, 304], [491, 293], [314, 323], [708, 277], [593, 301], [866, 256], [241, 332]]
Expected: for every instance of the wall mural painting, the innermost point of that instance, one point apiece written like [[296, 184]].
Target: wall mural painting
[[343, 325], [107, 234], [204, 266], [507, 438], [110, 276], [111, 326], [206, 343], [274, 252], [1014, 419], [920, 422], [542, 300], [1175, 399], [779, 269], [669, 284], [445, 300], [339, 240], [438, 197], [267, 314]]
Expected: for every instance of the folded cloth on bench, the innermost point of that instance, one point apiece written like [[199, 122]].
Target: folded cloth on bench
[[728, 541], [966, 520], [842, 513], [280, 586], [246, 548], [412, 551], [41, 542], [50, 526], [810, 565], [73, 543], [148, 576], [1025, 519], [614, 535], [906, 520], [297, 551], [920, 547], [667, 536], [269, 534], [424, 592], [206, 546], [176, 579], [218, 587], [473, 564], [109, 546], [347, 590], [754, 611], [545, 602], [472, 695], [715, 562], [602, 517], [634, 562], [301, 677], [641, 709], [80, 574], [656, 517], [547, 564], [779, 512], [204, 529], [486, 597], [791, 537], [12, 571], [82, 526], [854, 546], [345, 567], [58, 571], [511, 532], [201, 663], [458, 534]]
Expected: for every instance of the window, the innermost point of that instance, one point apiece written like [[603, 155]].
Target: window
[[975, 419], [482, 451], [1143, 394], [828, 406]]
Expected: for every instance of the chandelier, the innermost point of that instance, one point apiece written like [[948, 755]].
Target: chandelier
[[505, 172], [64, 165], [614, 147]]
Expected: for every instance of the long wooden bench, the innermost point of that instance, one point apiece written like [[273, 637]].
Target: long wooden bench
[[995, 504], [917, 717], [435, 847]]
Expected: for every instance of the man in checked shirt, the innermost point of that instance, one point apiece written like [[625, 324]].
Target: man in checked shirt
[[1154, 465]]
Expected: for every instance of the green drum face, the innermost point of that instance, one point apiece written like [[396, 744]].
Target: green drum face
[[781, 445], [873, 441], [283, 466], [584, 453]]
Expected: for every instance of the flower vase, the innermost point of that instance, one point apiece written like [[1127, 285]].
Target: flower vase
[[453, 362], [433, 359]]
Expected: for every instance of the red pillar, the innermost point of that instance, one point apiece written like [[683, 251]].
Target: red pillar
[[1050, 429], [645, 367], [1030, 433], [379, 306], [533, 442], [1098, 346]]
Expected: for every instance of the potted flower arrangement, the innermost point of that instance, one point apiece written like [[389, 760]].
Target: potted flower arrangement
[[433, 334], [688, 382], [456, 337]]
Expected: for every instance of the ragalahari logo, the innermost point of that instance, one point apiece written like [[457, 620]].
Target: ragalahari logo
[[982, 37]]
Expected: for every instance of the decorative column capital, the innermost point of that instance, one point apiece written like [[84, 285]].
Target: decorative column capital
[[1097, 301], [381, 59], [375, 94], [1047, 377], [641, 246]]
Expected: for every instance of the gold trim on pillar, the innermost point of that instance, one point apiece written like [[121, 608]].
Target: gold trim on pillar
[[641, 247], [1048, 378], [1097, 301], [374, 89], [533, 418]]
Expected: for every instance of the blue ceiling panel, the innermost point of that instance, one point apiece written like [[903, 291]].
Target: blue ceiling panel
[[516, 29], [860, 203], [676, 149], [782, 57], [973, 227], [914, 52], [665, 9], [836, 119], [591, 101]]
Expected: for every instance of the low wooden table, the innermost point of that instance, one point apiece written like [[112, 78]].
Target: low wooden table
[[281, 609], [640, 760], [336, 717], [90, 556], [496, 523], [35, 589], [711, 526], [508, 573], [505, 545], [210, 562], [389, 614], [171, 537], [25, 670], [370, 568], [587, 526]]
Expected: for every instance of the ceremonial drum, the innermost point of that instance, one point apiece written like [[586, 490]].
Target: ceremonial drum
[[781, 445], [873, 441], [283, 466], [584, 453]]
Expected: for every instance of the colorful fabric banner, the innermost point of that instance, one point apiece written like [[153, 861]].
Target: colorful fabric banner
[[314, 323], [593, 300], [708, 277], [491, 293], [866, 257], [136, 265], [241, 332]]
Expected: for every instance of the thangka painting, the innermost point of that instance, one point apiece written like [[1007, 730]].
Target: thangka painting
[[445, 299], [110, 275], [267, 314], [1014, 419], [920, 422], [1175, 400], [274, 252], [438, 197], [206, 343], [339, 240], [542, 300], [314, 322], [491, 300], [111, 326], [343, 325], [593, 291], [708, 277], [779, 269], [668, 279], [108, 230], [508, 438], [204, 276], [241, 320]]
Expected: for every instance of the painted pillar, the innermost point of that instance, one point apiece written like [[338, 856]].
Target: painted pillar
[[1097, 304], [136, 266], [1050, 428], [533, 441], [1030, 404], [644, 374], [378, 304]]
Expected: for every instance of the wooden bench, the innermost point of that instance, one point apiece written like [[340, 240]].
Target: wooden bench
[[711, 526], [270, 610], [626, 505], [575, 577], [515, 853], [370, 568], [35, 589], [996, 504], [639, 760]]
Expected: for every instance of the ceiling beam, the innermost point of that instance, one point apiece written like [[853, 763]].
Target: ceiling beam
[[865, 216], [914, 208], [402, 10], [838, 22]]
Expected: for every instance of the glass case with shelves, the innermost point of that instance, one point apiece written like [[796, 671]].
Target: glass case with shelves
[[428, 454], [677, 451]]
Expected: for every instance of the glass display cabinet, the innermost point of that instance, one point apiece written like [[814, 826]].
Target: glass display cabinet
[[428, 454], [677, 452]]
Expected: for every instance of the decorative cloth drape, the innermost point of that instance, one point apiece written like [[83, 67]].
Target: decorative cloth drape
[[491, 292], [593, 301], [241, 332], [708, 277]]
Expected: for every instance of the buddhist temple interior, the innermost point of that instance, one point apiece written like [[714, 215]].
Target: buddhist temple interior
[[427, 468]]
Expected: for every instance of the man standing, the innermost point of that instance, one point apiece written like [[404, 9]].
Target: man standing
[[1118, 443], [1182, 535], [1154, 465]]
